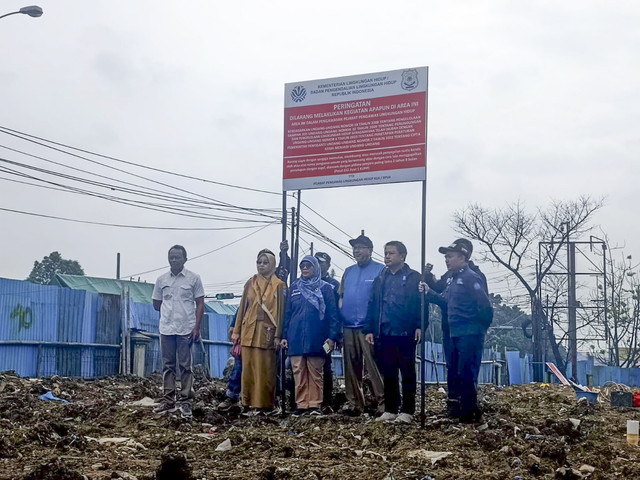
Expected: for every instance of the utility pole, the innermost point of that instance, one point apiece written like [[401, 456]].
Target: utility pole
[[571, 272], [571, 297], [536, 327]]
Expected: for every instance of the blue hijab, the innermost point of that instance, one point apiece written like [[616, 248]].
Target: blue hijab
[[310, 287]]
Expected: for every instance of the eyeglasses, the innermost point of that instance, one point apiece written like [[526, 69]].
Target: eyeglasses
[[305, 266]]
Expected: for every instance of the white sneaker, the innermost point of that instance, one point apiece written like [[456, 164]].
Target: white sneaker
[[404, 418], [386, 417]]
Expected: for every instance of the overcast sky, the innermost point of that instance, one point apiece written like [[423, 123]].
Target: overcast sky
[[527, 100]]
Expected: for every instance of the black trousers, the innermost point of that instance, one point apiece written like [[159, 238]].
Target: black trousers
[[327, 379], [397, 355]]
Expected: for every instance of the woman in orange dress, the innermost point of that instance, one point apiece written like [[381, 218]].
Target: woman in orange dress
[[259, 328]]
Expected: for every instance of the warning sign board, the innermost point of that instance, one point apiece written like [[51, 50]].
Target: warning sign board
[[357, 130]]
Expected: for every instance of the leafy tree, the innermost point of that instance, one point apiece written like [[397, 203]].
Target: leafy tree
[[506, 331], [511, 237], [44, 271]]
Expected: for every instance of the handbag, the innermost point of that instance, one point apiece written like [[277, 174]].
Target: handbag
[[236, 350]]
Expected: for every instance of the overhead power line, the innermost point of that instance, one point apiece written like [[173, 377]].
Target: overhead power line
[[29, 137], [141, 227]]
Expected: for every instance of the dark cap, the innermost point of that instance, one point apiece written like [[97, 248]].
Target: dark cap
[[323, 257], [363, 240], [461, 245]]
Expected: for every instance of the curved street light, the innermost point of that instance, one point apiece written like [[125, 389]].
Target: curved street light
[[32, 11]]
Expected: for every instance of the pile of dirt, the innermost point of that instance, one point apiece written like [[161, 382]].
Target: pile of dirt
[[107, 430]]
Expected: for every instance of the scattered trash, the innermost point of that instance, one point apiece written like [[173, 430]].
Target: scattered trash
[[515, 462], [224, 446], [632, 432], [428, 455], [568, 473], [587, 469], [591, 397], [50, 397], [112, 440], [144, 402], [533, 437], [534, 459]]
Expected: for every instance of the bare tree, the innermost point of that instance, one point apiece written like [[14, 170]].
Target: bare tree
[[511, 236], [621, 326]]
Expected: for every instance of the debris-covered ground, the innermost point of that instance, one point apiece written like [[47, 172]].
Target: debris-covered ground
[[531, 431]]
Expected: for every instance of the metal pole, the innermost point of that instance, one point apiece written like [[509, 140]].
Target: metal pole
[[128, 331], [423, 351], [283, 381], [423, 261], [284, 216], [297, 247], [118, 266], [293, 268], [122, 332], [573, 327], [604, 289]]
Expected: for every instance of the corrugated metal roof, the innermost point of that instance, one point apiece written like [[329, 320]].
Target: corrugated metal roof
[[221, 308], [141, 292]]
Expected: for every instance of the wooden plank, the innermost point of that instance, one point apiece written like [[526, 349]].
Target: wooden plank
[[558, 373]]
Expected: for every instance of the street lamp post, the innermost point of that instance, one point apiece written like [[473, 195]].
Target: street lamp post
[[32, 11]]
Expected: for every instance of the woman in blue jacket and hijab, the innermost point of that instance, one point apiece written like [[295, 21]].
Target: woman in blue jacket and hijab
[[311, 328]]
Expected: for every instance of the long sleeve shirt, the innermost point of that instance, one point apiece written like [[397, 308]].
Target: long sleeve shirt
[[468, 306]]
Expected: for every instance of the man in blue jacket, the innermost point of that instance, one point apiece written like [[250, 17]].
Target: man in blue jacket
[[469, 313], [355, 290], [393, 327]]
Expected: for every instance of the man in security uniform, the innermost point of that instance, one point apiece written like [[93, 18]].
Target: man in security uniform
[[469, 313]]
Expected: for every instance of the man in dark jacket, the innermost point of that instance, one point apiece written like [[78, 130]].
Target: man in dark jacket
[[393, 327], [453, 407], [469, 314]]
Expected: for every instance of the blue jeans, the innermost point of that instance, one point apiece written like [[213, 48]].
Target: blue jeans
[[235, 377], [466, 359]]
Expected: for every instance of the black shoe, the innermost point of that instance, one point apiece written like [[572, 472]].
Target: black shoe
[[315, 412], [473, 416], [327, 410], [229, 404], [272, 411], [185, 410], [453, 408], [164, 408], [298, 412], [351, 412]]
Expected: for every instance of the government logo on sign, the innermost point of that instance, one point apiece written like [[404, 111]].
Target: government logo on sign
[[298, 93], [409, 79]]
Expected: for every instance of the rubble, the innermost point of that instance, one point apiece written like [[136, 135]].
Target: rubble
[[106, 431]]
